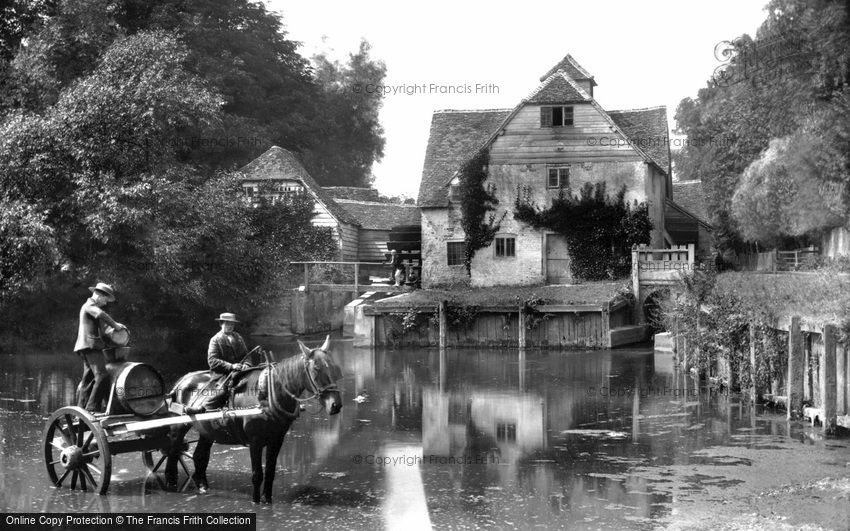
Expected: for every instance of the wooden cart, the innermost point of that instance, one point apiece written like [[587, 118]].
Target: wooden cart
[[79, 446]]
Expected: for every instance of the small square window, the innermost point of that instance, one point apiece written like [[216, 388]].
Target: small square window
[[505, 246], [558, 178], [556, 116], [505, 432], [455, 252]]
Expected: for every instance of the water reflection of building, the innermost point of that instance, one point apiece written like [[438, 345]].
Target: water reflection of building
[[512, 424]]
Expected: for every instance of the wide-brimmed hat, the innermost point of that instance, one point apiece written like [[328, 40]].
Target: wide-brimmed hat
[[106, 289], [228, 317]]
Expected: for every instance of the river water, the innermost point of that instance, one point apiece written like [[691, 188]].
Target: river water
[[464, 440]]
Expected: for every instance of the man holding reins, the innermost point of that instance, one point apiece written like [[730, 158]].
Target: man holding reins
[[225, 354]]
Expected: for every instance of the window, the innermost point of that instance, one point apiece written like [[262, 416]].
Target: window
[[505, 432], [454, 190], [505, 246], [558, 178], [556, 116], [455, 252], [249, 191]]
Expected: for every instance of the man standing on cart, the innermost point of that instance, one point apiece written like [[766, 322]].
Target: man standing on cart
[[225, 356], [94, 387]]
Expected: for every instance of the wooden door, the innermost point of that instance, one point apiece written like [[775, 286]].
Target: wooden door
[[557, 260]]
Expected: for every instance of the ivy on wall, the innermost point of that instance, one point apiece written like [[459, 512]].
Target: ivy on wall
[[476, 201], [600, 229]]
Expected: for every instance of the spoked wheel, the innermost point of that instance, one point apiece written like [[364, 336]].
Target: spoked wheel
[[155, 459], [76, 451]]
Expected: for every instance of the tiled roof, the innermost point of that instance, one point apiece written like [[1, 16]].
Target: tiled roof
[[690, 195], [558, 88], [572, 68], [381, 216], [278, 163], [647, 128], [352, 192], [454, 137]]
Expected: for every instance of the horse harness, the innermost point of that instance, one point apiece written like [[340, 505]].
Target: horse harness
[[276, 408]]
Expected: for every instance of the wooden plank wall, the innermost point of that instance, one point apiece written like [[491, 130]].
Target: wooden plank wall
[[348, 242], [372, 245], [525, 142], [814, 351], [561, 330]]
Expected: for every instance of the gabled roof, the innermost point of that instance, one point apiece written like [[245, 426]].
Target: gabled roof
[[572, 69], [278, 163], [669, 203], [690, 196], [381, 216], [454, 136], [356, 193], [648, 129], [558, 88]]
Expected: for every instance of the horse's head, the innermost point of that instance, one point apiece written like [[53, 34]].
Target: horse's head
[[323, 374]]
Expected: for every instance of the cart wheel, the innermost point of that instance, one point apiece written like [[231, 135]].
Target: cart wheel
[[154, 461], [76, 451]]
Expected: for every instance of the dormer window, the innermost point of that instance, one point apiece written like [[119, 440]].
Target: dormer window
[[454, 189], [556, 116]]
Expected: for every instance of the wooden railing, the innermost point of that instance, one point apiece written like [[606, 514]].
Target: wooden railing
[[354, 286], [792, 260], [676, 258], [773, 260]]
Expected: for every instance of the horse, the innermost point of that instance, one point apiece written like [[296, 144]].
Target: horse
[[279, 387]]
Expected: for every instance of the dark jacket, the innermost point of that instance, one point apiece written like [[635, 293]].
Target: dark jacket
[[223, 353], [91, 319]]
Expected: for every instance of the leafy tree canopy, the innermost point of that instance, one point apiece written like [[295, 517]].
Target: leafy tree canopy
[[270, 94], [789, 82], [93, 187]]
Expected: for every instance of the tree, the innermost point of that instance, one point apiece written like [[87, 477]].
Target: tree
[[791, 81], [781, 194], [27, 247], [115, 197], [239, 49], [348, 120]]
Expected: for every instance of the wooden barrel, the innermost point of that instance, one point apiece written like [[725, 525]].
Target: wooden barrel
[[139, 388]]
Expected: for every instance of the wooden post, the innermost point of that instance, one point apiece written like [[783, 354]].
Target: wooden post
[[306, 276], [828, 380], [691, 254], [841, 398], [676, 340], [443, 324], [753, 365], [356, 281], [795, 369], [637, 313], [521, 327]]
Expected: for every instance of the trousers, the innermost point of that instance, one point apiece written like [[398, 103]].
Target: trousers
[[94, 386]]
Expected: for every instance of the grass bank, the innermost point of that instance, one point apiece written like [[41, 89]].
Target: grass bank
[[587, 293]]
